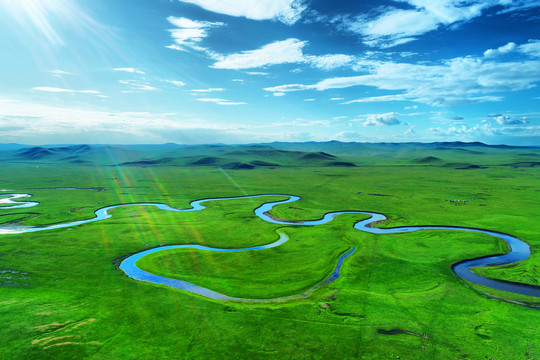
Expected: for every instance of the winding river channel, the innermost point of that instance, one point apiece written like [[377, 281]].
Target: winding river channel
[[519, 250]]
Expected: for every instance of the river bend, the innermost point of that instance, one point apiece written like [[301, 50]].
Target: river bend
[[519, 250]]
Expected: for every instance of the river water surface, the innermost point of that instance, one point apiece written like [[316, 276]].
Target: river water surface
[[519, 250]]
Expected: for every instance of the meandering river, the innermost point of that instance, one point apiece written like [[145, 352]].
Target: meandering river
[[519, 250]]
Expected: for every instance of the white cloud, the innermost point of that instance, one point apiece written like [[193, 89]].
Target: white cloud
[[395, 27], [349, 136], [337, 99], [220, 101], [329, 62], [382, 98], [286, 11], [138, 85], [279, 94], [206, 90], [501, 50], [520, 131], [62, 90], [455, 81], [518, 5], [306, 123], [59, 73], [380, 119], [290, 87], [532, 48], [410, 132], [175, 82], [507, 120], [392, 26], [464, 132], [288, 51], [129, 70], [309, 99], [189, 33], [279, 52], [186, 23], [33, 123]]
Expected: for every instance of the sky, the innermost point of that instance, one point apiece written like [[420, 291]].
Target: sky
[[250, 71]]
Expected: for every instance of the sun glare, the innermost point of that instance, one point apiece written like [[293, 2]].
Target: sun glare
[[37, 16], [43, 18]]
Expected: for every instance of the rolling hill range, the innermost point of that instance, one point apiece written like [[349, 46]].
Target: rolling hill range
[[459, 155]]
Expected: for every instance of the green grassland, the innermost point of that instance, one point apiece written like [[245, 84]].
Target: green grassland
[[65, 298]]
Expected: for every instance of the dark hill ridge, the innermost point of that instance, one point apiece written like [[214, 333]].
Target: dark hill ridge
[[207, 160], [75, 149], [471, 167], [524, 164], [317, 156], [39, 152], [35, 153], [341, 163], [459, 149], [428, 160], [461, 165], [334, 153], [263, 163], [236, 165], [267, 152], [147, 162]]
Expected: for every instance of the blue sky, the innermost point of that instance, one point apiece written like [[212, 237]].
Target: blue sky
[[243, 71]]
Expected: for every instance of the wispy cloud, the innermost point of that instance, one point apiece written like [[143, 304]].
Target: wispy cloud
[[509, 120], [138, 85], [391, 26], [330, 61], [518, 5], [129, 70], [386, 119], [33, 123], [288, 51], [59, 73], [286, 11], [532, 49], [188, 34], [206, 90], [175, 82], [62, 90], [279, 52], [454, 81], [382, 98], [220, 101], [464, 132]]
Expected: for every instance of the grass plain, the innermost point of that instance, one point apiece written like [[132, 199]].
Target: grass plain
[[63, 297]]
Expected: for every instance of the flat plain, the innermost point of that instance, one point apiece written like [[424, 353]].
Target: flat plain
[[62, 295]]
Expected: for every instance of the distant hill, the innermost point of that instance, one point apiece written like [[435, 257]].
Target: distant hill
[[39, 152], [451, 155], [428, 160]]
